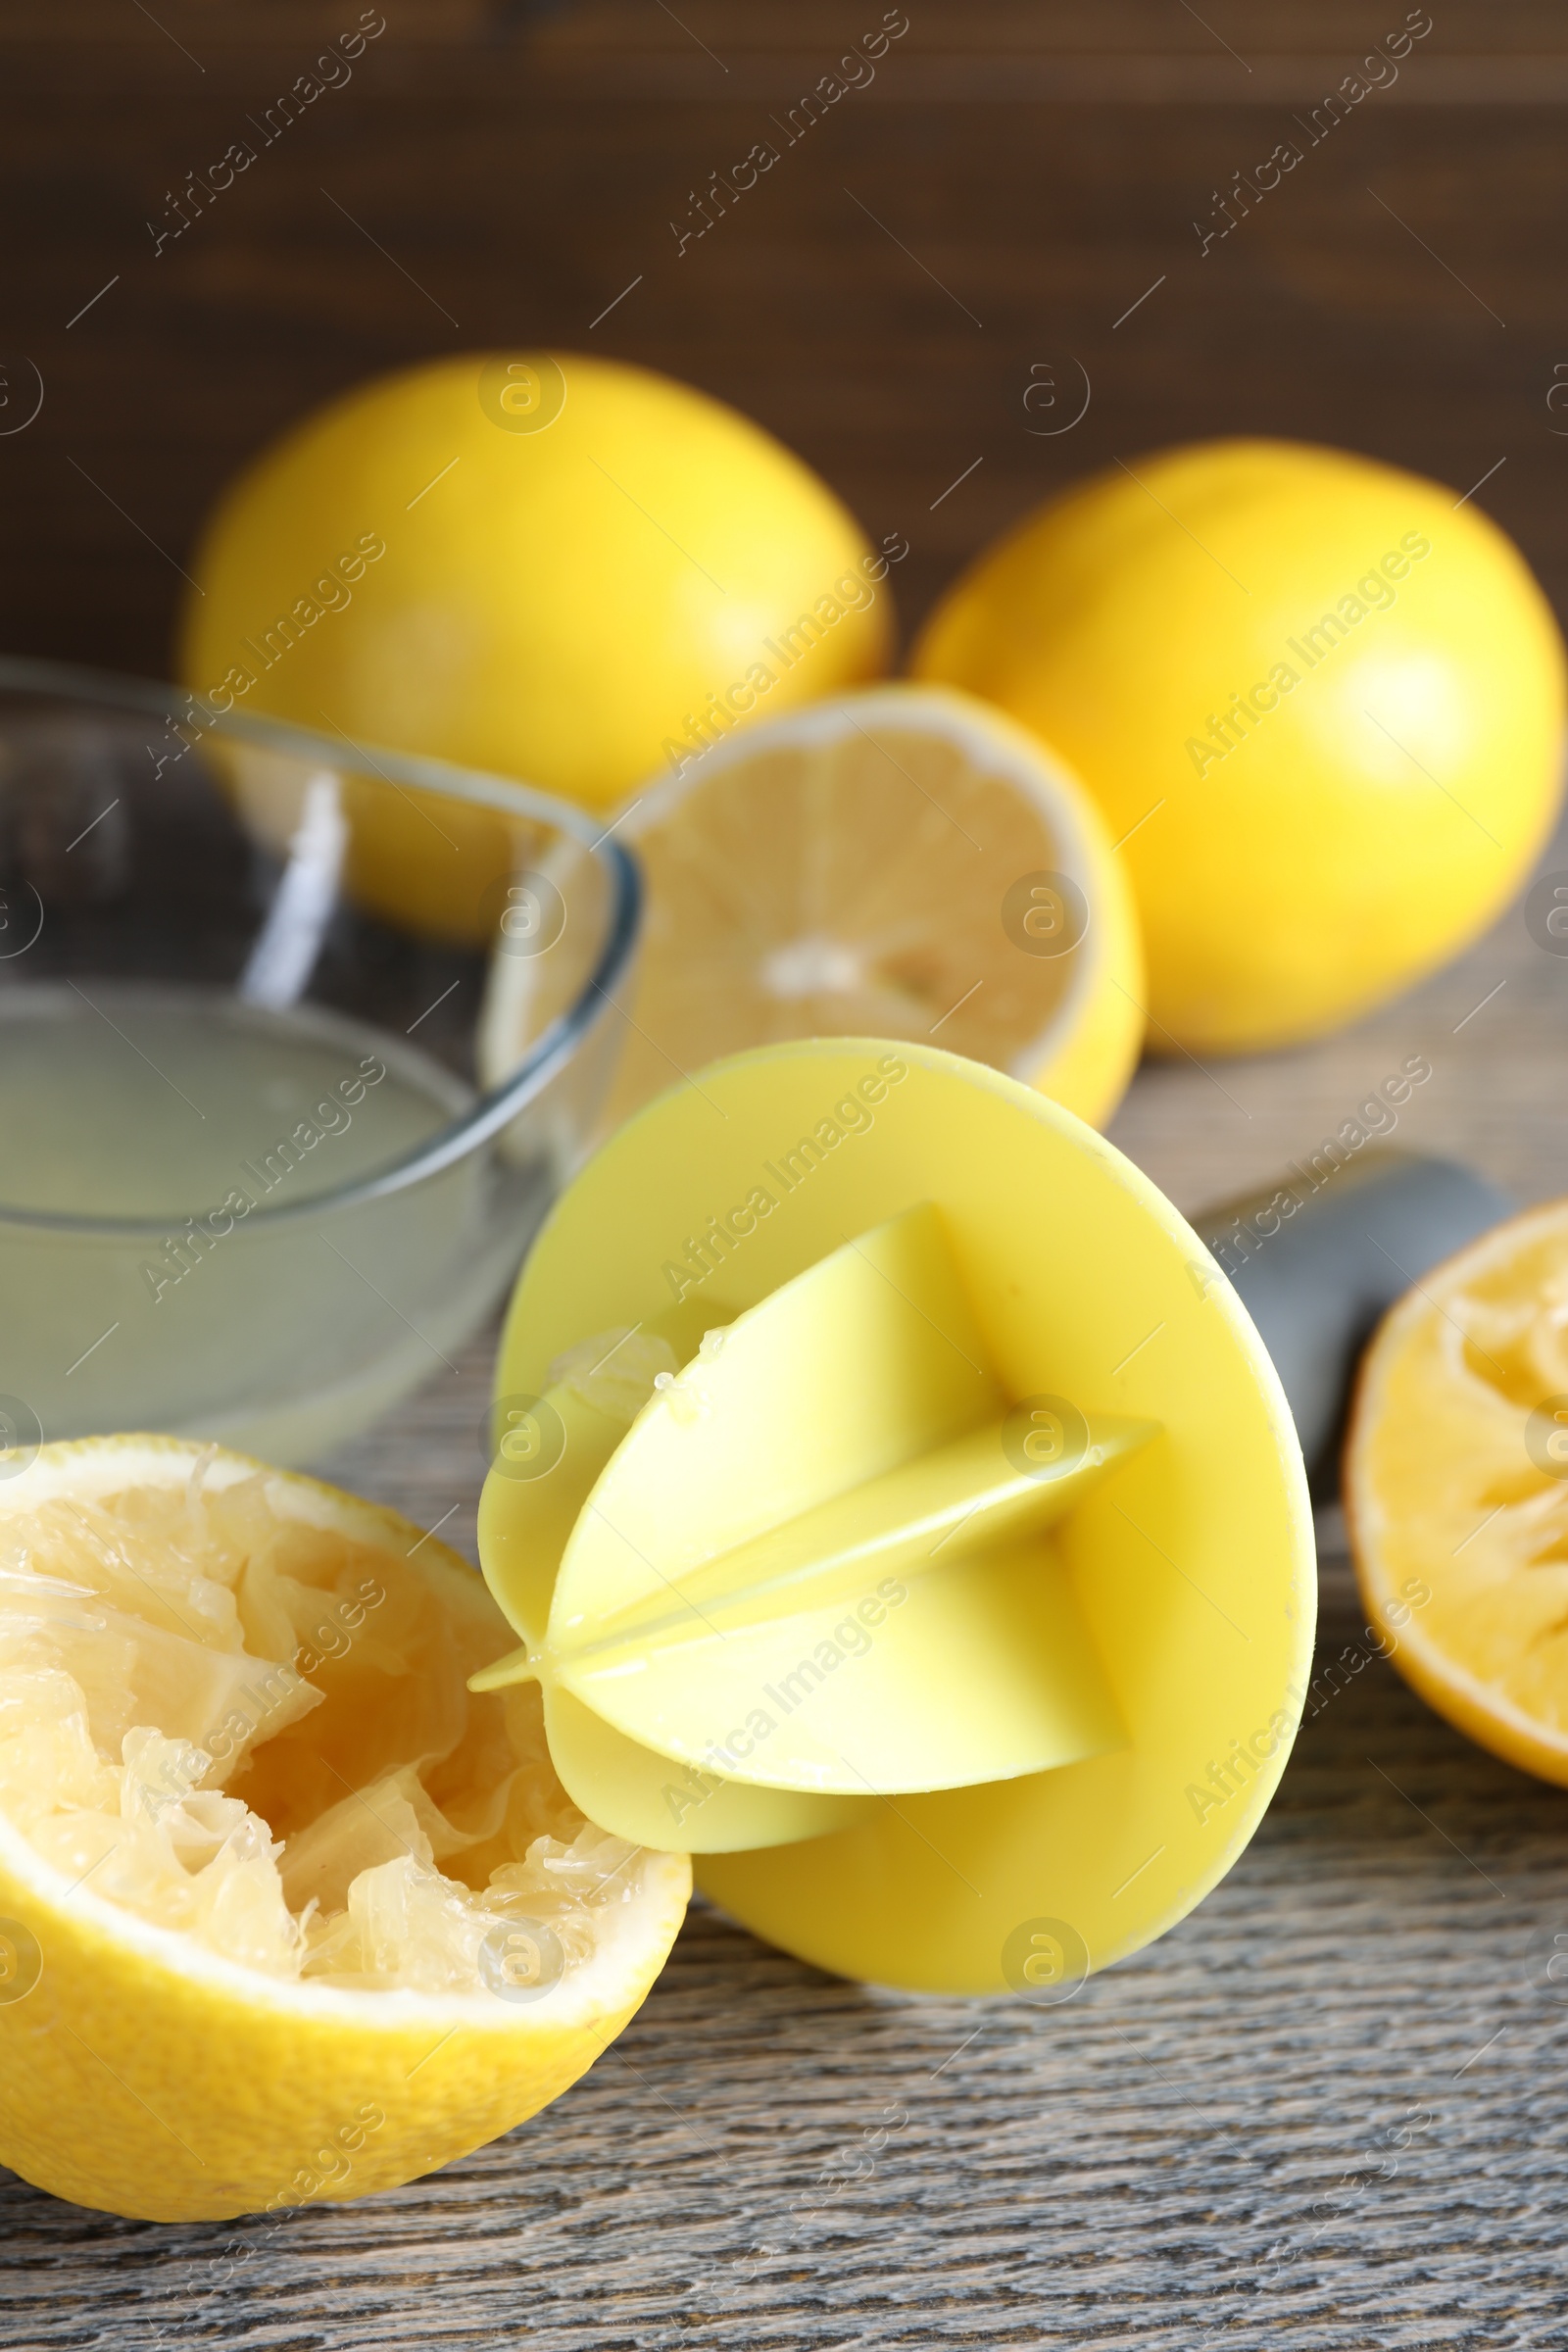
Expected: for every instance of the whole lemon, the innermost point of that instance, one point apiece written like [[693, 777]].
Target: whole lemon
[[1320, 700], [564, 569]]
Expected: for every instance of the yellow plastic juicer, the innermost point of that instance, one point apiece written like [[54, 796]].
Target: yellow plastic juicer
[[900, 1513]]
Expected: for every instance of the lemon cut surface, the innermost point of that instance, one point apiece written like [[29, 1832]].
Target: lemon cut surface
[[1456, 1488], [901, 862]]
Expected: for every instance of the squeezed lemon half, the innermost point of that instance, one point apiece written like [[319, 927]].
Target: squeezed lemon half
[[285, 1911], [1456, 1488]]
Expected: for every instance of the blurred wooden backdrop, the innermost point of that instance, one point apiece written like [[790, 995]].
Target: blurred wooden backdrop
[[1032, 169], [1197, 2152]]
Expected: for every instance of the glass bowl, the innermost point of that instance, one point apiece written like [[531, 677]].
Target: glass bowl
[[298, 1039]]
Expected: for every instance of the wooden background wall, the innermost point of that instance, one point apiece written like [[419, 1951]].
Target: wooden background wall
[[1033, 167]]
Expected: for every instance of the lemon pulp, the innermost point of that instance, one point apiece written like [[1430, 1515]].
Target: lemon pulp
[[1456, 1488], [255, 1731]]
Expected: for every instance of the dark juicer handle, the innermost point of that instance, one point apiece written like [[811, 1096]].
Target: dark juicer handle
[[1317, 1261]]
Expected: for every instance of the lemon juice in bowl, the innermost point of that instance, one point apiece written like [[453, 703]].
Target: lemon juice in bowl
[[253, 1182]]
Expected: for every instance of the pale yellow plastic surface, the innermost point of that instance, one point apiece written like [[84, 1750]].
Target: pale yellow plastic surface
[[955, 1598]]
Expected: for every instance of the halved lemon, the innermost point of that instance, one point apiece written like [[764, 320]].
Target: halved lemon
[[1456, 1488], [285, 1912], [903, 862]]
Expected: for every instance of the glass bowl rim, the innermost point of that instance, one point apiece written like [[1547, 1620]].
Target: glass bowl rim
[[550, 1053]]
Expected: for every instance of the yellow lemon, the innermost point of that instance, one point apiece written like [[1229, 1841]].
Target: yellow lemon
[[904, 862], [1456, 1488], [285, 1912], [552, 567], [1319, 700]]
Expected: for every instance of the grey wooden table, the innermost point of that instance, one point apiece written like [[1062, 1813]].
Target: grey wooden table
[[1330, 2110]]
